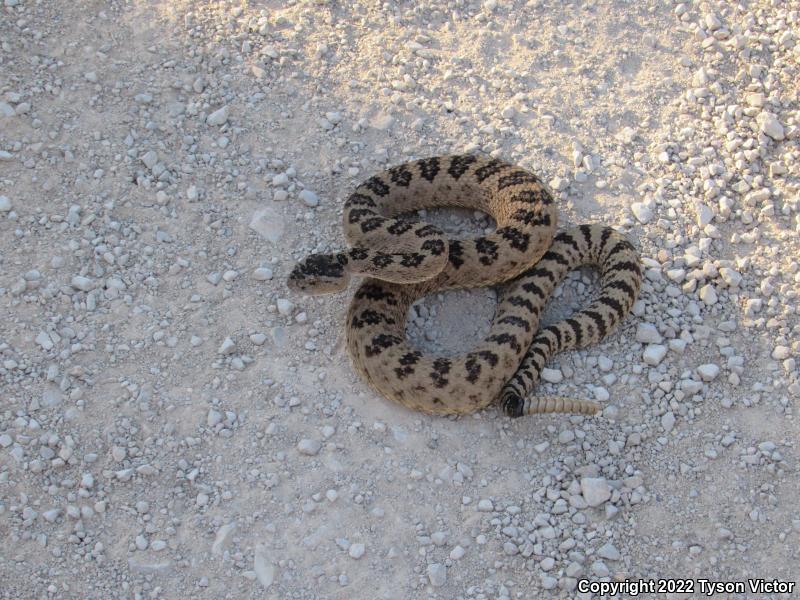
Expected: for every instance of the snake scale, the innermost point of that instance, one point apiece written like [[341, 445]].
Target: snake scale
[[403, 261]]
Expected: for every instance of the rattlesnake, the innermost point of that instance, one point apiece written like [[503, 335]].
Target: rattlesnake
[[407, 260]]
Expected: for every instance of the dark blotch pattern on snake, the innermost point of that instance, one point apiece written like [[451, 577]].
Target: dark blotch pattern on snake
[[403, 261]]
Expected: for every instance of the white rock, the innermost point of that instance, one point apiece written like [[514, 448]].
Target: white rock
[[265, 571], [439, 538], [285, 307], [457, 553], [595, 490], [755, 99], [5, 440], [437, 574], [262, 274], [642, 212], [44, 340], [309, 447], [752, 306], [676, 275], [668, 421], [356, 551], [150, 159], [218, 117], [770, 125], [258, 338], [228, 346], [485, 505], [713, 23], [600, 569], [704, 214], [781, 352], [609, 552], [730, 276], [51, 515], [213, 418], [654, 354], [309, 198], [708, 294], [647, 333], [82, 283], [280, 179], [708, 371], [677, 345], [552, 375], [5, 204]]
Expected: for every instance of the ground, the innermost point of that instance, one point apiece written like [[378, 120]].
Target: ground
[[174, 423]]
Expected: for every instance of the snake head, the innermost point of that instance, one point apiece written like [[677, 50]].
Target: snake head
[[320, 274]]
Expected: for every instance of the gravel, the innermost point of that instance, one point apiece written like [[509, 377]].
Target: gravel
[[166, 399]]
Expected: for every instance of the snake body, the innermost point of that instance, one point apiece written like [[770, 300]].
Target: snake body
[[404, 261]]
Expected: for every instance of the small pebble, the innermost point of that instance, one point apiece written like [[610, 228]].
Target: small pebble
[[708, 371], [262, 274], [647, 333], [356, 551], [309, 198], [609, 552], [668, 421], [218, 117], [82, 283], [285, 307], [437, 574], [227, 347], [309, 447], [654, 354], [552, 375], [642, 212]]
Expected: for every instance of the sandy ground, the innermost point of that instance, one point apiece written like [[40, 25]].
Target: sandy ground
[[174, 423]]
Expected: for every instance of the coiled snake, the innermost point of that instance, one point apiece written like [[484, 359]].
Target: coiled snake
[[404, 261]]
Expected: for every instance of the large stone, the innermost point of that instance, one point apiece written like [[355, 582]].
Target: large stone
[[595, 490], [769, 125]]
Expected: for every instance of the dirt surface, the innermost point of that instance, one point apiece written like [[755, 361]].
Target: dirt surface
[[175, 424]]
